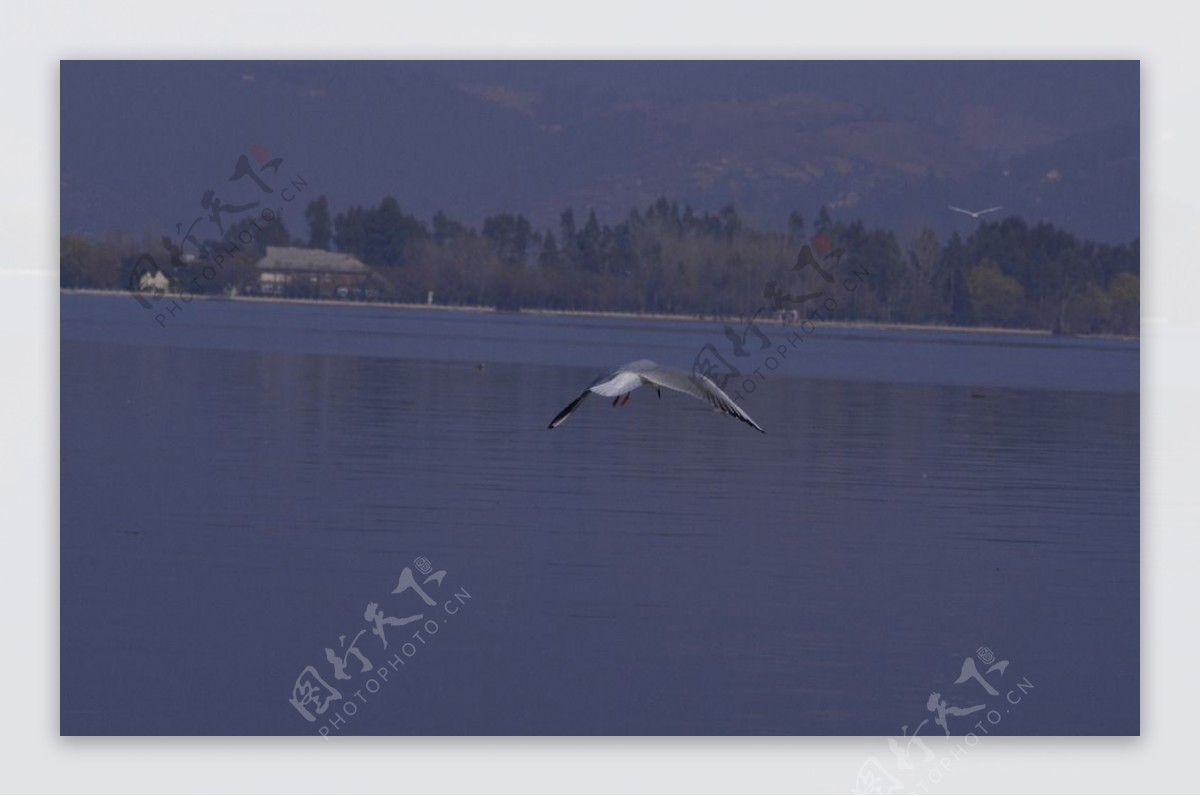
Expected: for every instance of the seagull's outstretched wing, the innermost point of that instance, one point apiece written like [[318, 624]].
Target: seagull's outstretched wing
[[696, 385], [617, 383], [571, 407], [990, 210], [960, 210]]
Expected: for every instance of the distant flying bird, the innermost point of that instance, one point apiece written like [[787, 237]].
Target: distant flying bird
[[975, 213], [628, 378]]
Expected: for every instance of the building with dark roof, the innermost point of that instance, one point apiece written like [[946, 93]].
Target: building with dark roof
[[314, 273]]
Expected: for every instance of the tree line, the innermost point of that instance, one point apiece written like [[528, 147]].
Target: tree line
[[669, 259]]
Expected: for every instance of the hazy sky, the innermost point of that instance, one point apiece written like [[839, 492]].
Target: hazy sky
[[891, 142]]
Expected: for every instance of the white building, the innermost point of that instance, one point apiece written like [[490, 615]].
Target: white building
[[154, 284]]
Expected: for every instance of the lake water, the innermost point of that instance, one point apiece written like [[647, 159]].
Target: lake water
[[239, 486]]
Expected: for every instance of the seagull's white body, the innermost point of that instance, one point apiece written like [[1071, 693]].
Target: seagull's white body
[[976, 213], [628, 378]]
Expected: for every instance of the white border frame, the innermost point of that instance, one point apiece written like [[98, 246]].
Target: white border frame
[[34, 38]]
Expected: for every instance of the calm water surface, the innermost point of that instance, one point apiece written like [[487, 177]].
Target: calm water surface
[[238, 486]]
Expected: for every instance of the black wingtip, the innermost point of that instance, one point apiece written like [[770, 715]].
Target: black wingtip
[[561, 416]]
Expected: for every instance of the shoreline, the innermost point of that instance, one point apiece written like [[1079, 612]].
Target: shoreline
[[651, 316]]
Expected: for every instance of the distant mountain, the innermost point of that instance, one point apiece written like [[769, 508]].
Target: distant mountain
[[893, 144]]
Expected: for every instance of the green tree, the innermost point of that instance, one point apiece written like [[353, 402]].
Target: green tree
[[80, 265], [549, 256], [350, 231], [1088, 311], [445, 229], [997, 299], [588, 243], [925, 258], [1124, 293], [320, 227], [510, 237]]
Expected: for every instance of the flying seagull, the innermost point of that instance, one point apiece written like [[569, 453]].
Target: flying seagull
[[975, 213], [627, 378]]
